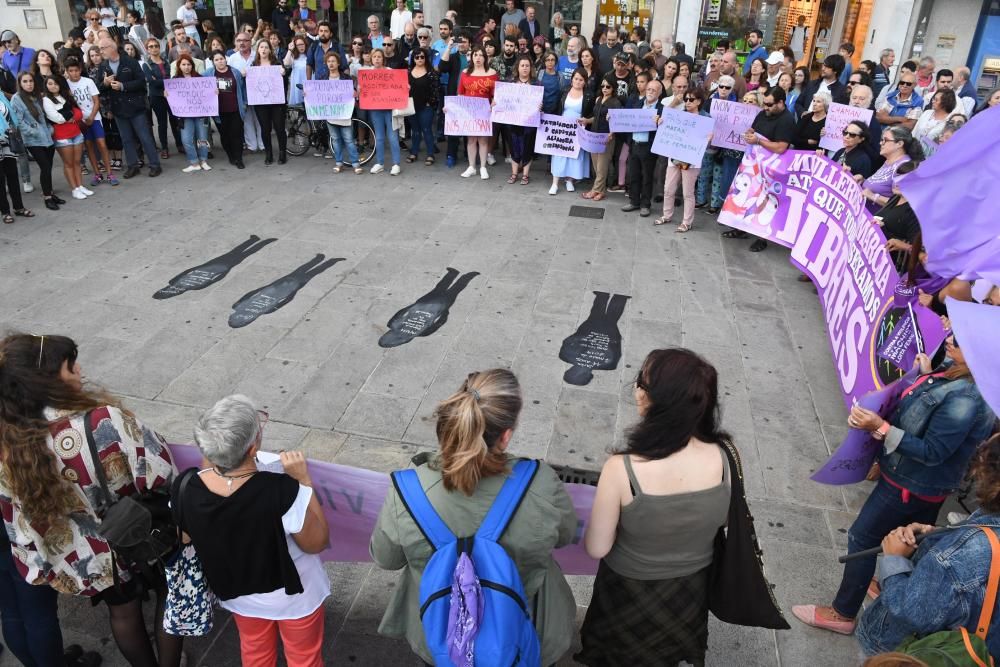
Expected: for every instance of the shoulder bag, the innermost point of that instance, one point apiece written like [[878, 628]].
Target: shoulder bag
[[189, 610]]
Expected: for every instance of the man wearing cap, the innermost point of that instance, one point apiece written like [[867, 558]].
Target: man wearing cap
[[774, 62], [828, 82], [18, 58], [757, 50]]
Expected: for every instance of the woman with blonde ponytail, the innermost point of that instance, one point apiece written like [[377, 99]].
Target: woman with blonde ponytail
[[49, 479], [475, 426]]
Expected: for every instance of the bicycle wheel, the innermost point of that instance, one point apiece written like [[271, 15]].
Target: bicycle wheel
[[299, 132], [366, 148]]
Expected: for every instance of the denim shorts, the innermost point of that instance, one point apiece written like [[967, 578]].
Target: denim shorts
[[63, 143], [94, 132]]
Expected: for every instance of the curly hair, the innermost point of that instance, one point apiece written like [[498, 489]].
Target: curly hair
[[985, 470], [30, 381]]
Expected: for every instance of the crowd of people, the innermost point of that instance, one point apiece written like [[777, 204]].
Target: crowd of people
[[95, 99]]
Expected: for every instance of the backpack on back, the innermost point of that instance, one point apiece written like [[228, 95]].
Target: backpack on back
[[472, 602]]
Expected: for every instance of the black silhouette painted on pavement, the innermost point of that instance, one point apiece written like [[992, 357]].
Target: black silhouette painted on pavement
[[212, 271], [271, 297], [597, 343], [428, 313]]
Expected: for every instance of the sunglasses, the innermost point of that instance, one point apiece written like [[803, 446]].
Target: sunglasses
[[906, 83], [690, 99], [725, 87], [357, 43], [852, 134], [423, 37], [420, 57], [853, 83]]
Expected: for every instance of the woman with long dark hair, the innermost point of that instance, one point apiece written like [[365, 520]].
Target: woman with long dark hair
[[64, 114], [36, 134], [660, 502], [521, 140], [477, 80], [50, 477], [194, 131], [270, 116], [425, 89]]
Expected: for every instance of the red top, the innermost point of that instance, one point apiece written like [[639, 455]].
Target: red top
[[477, 86], [70, 129]]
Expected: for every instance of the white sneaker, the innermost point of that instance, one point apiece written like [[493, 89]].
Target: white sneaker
[[570, 187], [483, 174], [86, 191], [76, 194], [471, 171], [554, 190], [395, 171], [490, 160], [506, 160], [191, 167], [378, 169], [205, 166], [28, 187]]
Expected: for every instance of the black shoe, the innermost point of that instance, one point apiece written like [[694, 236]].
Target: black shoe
[[72, 653], [758, 245], [240, 165], [211, 155], [712, 210], [282, 157], [51, 204], [57, 199], [628, 208], [268, 158], [644, 213], [155, 171], [658, 199], [702, 205], [130, 172]]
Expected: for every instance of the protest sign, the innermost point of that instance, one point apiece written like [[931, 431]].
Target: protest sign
[[192, 97], [682, 136], [382, 89], [517, 104], [557, 136], [592, 142], [808, 203], [904, 340], [732, 119], [837, 119], [265, 85], [632, 120], [467, 116], [331, 99], [352, 497]]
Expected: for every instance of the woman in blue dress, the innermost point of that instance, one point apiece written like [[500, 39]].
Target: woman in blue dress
[[576, 103], [295, 64]]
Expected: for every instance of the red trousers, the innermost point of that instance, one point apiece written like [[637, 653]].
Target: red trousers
[[302, 639]]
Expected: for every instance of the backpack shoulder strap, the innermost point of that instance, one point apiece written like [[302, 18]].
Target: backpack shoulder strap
[[508, 500], [414, 498], [990, 598]]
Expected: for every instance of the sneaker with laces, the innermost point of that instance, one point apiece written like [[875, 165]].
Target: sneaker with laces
[[395, 171], [471, 171], [84, 170], [28, 187], [95, 181], [377, 169], [191, 167], [76, 194], [111, 180], [85, 191]]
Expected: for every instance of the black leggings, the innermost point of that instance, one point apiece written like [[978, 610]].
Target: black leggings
[[271, 116], [231, 134], [43, 156], [161, 109], [11, 183]]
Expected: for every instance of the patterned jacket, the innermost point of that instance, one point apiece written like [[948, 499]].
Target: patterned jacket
[[72, 558]]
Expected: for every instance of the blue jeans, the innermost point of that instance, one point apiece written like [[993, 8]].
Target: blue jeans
[[30, 616], [194, 136], [341, 138], [422, 123], [135, 129], [883, 512], [703, 187], [722, 177], [382, 124]]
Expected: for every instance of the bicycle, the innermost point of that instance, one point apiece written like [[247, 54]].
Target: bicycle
[[302, 135]]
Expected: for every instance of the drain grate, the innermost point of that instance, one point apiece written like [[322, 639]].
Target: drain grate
[[586, 212]]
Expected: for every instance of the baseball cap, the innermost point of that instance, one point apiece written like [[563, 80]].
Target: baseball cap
[[7, 35], [624, 57], [776, 58]]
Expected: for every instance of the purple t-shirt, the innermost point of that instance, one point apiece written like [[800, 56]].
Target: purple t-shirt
[[881, 181]]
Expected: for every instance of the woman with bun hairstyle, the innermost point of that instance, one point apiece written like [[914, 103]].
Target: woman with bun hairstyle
[[475, 426]]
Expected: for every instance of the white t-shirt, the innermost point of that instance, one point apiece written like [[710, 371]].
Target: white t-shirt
[[398, 21], [84, 91], [184, 14], [278, 605], [238, 62], [107, 16]]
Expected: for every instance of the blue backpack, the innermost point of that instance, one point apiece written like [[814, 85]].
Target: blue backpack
[[472, 603]]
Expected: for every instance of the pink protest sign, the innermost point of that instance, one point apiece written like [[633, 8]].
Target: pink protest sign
[[837, 119], [592, 142], [467, 116], [517, 104], [732, 119], [265, 85], [193, 96], [632, 120]]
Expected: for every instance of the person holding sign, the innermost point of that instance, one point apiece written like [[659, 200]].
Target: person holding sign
[[270, 116], [232, 107], [341, 130], [575, 105], [425, 89], [382, 125], [598, 122], [682, 172], [641, 159], [477, 80], [194, 131], [521, 140], [853, 155]]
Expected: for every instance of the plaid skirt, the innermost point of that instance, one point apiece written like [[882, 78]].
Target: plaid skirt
[[638, 623]]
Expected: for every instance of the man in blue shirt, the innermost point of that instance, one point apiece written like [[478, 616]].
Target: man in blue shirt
[[757, 50], [18, 58], [316, 55], [902, 106], [568, 63]]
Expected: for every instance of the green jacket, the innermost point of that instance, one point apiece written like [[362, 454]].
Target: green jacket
[[544, 521]]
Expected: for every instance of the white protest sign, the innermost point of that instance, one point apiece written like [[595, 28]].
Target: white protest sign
[[592, 142], [682, 136], [467, 116], [517, 104], [557, 136], [732, 119], [837, 119]]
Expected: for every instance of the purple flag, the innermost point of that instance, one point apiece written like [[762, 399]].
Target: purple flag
[[953, 194], [976, 326]]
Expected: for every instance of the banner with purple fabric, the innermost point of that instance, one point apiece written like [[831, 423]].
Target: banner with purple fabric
[[976, 326]]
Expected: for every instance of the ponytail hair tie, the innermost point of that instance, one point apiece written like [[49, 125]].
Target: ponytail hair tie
[[475, 395]]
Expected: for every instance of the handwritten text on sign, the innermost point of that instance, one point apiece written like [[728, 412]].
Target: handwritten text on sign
[[382, 89], [632, 120], [332, 99], [265, 85], [192, 97], [517, 104], [557, 136], [682, 136], [467, 116], [592, 142], [837, 119], [732, 119]]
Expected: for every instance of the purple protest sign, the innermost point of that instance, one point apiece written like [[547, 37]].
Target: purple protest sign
[[852, 460], [976, 326], [352, 497], [592, 142], [466, 116], [265, 85], [632, 120], [900, 346], [837, 119], [192, 96], [732, 119], [517, 104]]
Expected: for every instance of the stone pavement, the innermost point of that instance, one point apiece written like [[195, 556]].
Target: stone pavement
[[90, 271]]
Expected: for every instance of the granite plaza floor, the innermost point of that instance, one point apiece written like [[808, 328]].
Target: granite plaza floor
[[90, 271]]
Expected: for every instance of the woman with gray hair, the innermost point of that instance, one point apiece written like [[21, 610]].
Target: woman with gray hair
[[810, 126], [258, 535]]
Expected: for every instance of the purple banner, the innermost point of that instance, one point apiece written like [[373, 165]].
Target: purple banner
[[976, 326], [808, 203], [352, 497]]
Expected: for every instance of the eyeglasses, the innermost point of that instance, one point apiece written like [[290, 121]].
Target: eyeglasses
[[906, 83], [424, 37], [852, 134], [885, 141], [690, 99], [725, 87]]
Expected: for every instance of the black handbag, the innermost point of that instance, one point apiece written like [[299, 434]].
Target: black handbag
[[14, 141], [738, 591]]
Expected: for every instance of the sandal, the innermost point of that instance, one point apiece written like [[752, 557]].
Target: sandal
[[683, 227], [513, 179], [598, 196], [411, 158], [525, 180], [661, 221], [735, 234], [588, 195], [23, 213], [429, 161], [8, 219]]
